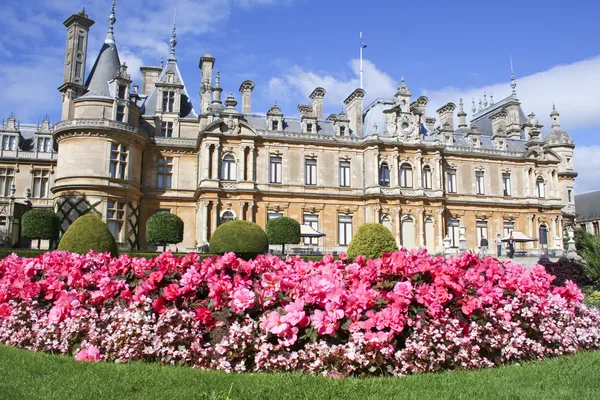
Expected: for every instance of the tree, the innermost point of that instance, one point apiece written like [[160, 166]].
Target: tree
[[372, 241], [164, 228], [88, 232], [40, 224], [245, 239], [283, 230]]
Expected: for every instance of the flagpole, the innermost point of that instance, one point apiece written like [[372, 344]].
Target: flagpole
[[361, 61]]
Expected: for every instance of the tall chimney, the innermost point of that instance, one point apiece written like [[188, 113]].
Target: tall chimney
[[446, 114], [207, 63], [317, 102], [150, 76], [246, 90], [354, 105]]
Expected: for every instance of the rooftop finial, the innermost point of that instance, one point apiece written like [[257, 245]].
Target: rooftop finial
[[218, 79], [173, 40], [402, 78], [162, 61], [112, 18], [480, 104], [513, 81], [491, 99], [461, 104], [474, 109], [485, 102]]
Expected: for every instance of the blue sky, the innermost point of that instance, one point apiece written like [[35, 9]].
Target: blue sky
[[445, 50]]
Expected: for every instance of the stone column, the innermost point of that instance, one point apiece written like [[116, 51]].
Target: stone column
[[440, 228], [215, 215], [398, 227], [202, 222], [251, 161], [437, 173], [241, 214], [419, 169], [215, 162], [368, 214], [377, 214], [560, 231], [252, 211], [421, 228], [242, 176], [395, 173], [204, 162], [527, 183]]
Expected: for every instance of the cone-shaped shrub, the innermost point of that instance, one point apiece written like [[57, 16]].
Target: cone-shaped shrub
[[245, 239], [40, 224], [371, 241], [164, 228], [87, 233], [283, 230]]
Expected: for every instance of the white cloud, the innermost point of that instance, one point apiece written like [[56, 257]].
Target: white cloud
[[134, 63], [587, 164]]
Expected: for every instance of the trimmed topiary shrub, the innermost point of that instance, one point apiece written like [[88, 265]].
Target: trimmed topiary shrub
[[283, 230], [246, 239], [371, 241], [40, 224], [164, 228], [87, 233]]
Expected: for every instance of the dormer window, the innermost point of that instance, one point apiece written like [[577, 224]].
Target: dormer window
[[120, 113], [309, 128], [122, 92], [44, 145], [9, 142], [167, 129], [275, 125], [170, 77], [342, 131], [168, 101]]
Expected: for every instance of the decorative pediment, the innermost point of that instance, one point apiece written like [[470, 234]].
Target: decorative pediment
[[230, 126]]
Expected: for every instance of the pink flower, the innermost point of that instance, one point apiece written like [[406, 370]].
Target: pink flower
[[159, 305], [295, 314], [204, 316], [5, 311], [171, 292], [89, 353], [323, 323], [275, 324], [156, 276], [242, 300]]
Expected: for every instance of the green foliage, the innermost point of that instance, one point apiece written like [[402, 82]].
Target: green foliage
[[372, 240], [87, 233], [40, 223], [26, 253], [283, 230], [590, 251], [593, 299], [244, 238], [164, 228]]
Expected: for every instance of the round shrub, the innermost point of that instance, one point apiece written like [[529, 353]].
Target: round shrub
[[164, 228], [87, 233], [283, 230], [40, 224], [371, 241], [244, 238]]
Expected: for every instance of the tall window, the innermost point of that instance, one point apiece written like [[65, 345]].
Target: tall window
[[275, 125], [344, 229], [570, 195], [540, 185], [451, 180], [115, 215], [120, 113], [165, 173], [9, 142], [482, 231], [406, 176], [41, 178], [275, 170], [453, 232], [342, 131], [228, 168], [118, 161], [167, 129], [309, 128], [344, 173], [506, 183], [7, 177], [479, 182], [310, 171], [508, 227], [122, 91], [311, 220], [426, 178], [44, 145], [384, 175], [168, 101], [227, 217]]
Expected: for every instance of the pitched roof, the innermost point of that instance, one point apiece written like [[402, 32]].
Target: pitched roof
[[587, 206], [105, 70], [186, 108], [482, 121]]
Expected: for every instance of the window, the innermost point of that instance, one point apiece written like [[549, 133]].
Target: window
[[275, 171], [168, 101], [9, 142], [540, 186], [7, 177], [115, 214], [506, 183], [406, 176], [426, 178], [120, 113], [312, 220], [344, 173], [482, 231], [384, 175], [596, 228], [41, 178], [451, 180], [165, 173], [80, 43], [309, 128], [453, 232], [570, 195], [479, 183], [78, 66], [275, 125], [122, 90], [509, 226], [271, 215], [344, 229], [227, 217], [118, 161], [44, 144], [311, 171], [167, 129], [228, 168], [342, 131]]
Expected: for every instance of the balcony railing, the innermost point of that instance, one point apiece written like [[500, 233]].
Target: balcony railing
[[27, 155], [95, 123]]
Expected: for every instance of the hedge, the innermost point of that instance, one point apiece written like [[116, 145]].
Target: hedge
[[246, 239], [164, 228], [283, 230], [40, 224], [88, 232], [372, 241]]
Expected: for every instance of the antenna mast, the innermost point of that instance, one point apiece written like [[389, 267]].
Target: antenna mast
[[362, 46]]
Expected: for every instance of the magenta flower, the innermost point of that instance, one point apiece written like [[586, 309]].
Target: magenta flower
[[242, 300]]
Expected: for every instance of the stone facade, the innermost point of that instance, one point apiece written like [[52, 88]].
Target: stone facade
[[127, 153]]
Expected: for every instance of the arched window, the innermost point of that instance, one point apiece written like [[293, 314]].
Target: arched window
[[406, 179], [541, 187], [226, 217], [384, 174], [228, 168], [386, 220], [426, 177], [543, 236]]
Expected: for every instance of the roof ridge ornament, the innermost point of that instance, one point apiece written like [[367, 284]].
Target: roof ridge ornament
[[112, 18], [474, 109], [513, 81], [485, 102], [491, 99], [173, 40]]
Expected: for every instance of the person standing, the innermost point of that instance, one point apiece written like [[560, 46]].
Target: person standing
[[483, 247], [511, 246], [499, 244]]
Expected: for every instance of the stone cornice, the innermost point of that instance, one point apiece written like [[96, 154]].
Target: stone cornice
[[97, 127]]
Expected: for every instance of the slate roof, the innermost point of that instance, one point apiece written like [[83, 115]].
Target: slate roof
[[587, 206], [290, 124], [105, 70], [482, 121]]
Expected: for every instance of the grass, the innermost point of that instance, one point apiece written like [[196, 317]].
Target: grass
[[27, 375]]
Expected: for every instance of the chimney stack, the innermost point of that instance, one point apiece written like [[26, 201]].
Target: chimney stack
[[317, 102], [150, 76], [246, 90], [354, 106], [446, 114], [207, 62]]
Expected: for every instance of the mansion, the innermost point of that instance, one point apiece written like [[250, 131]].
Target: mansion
[[125, 150]]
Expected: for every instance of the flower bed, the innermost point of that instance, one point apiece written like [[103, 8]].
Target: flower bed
[[405, 313]]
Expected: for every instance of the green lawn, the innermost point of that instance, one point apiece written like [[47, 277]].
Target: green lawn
[[26, 375]]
